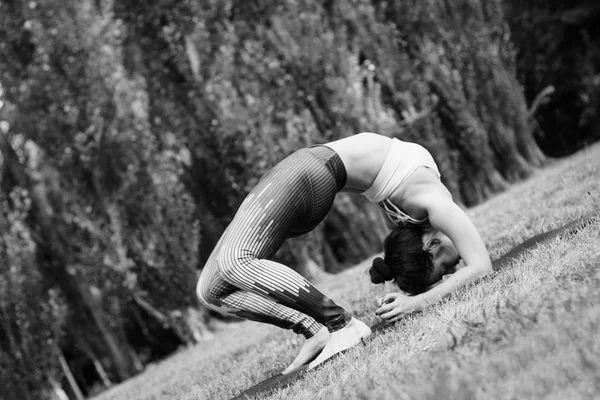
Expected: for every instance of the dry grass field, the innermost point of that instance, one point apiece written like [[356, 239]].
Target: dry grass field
[[529, 330]]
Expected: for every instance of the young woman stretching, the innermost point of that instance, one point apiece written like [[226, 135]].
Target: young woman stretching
[[294, 197]]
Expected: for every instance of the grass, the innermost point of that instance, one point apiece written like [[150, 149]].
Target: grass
[[527, 331]]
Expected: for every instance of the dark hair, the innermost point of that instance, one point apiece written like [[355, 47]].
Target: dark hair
[[405, 260]]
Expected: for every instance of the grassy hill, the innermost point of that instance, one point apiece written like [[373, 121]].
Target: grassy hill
[[527, 331]]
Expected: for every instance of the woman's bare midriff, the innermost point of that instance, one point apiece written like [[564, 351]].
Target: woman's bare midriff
[[363, 156]]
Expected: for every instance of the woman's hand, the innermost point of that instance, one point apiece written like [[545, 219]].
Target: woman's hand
[[394, 306]]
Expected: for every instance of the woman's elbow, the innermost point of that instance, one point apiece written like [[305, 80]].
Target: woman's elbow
[[484, 269], [478, 270]]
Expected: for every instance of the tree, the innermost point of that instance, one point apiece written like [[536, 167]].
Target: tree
[[102, 192], [31, 314]]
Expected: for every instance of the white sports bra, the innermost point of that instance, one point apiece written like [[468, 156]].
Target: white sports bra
[[401, 161]]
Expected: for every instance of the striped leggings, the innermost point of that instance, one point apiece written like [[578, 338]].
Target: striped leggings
[[239, 279]]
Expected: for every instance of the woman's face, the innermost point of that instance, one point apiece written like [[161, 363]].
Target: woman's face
[[444, 254]]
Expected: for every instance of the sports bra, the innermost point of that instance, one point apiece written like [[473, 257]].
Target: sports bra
[[401, 161]]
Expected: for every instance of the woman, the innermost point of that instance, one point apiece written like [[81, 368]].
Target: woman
[[292, 198]]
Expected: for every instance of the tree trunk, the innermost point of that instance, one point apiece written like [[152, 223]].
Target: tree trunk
[[511, 164], [197, 322], [212, 227], [124, 365], [54, 247], [70, 378], [57, 392], [82, 343], [480, 178], [164, 320]]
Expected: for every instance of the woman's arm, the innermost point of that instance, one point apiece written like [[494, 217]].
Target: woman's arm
[[450, 219]]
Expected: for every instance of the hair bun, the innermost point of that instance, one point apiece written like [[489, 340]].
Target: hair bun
[[380, 272]]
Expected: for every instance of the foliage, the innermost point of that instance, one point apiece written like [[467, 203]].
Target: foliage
[[105, 181], [31, 314]]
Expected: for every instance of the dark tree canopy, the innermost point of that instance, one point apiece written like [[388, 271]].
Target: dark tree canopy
[[558, 47]]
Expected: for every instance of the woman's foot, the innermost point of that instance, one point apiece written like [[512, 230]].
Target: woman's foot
[[311, 349], [347, 337]]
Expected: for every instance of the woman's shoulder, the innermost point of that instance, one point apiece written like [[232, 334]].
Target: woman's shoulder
[[420, 189]]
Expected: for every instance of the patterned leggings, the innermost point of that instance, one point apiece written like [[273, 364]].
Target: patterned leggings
[[238, 278]]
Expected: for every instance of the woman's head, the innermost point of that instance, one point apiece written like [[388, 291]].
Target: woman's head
[[442, 252], [414, 258]]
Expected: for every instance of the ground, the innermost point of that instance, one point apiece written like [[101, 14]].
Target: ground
[[526, 331]]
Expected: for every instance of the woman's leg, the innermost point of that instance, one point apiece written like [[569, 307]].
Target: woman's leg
[[281, 284], [219, 295], [292, 198]]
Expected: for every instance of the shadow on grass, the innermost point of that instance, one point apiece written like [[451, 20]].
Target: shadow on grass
[[569, 229]]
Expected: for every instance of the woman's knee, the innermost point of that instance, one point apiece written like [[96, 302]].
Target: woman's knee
[[203, 293], [205, 288]]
